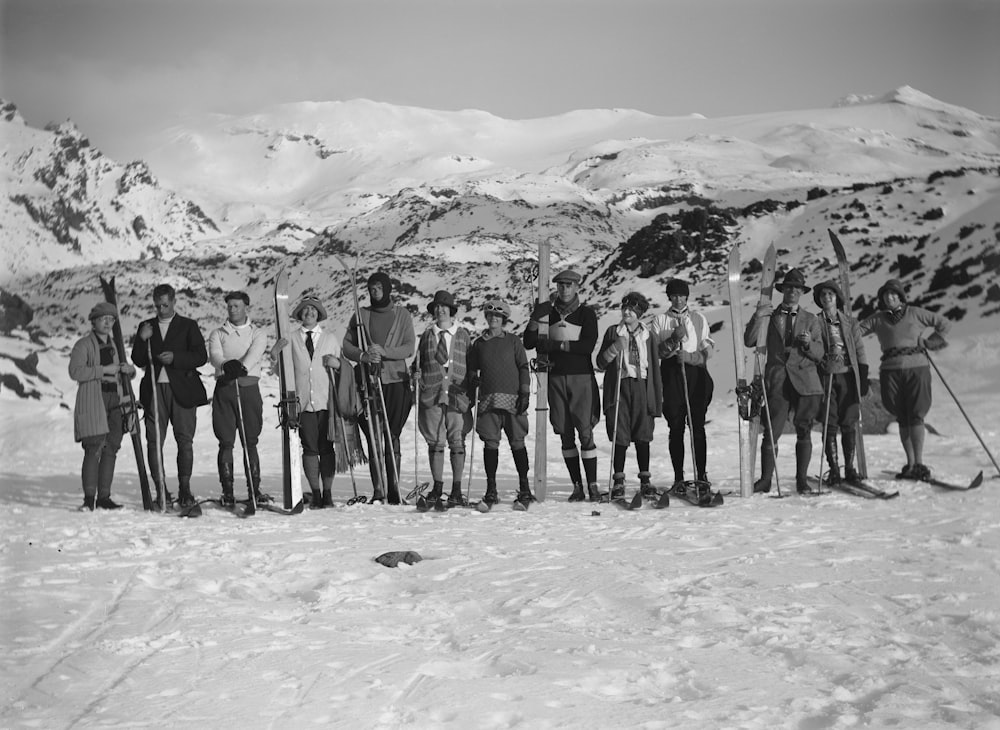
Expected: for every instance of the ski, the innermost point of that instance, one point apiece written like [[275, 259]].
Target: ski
[[416, 492], [129, 406], [288, 402], [863, 489], [700, 494], [541, 368], [663, 501], [845, 286], [245, 508], [977, 481], [760, 352], [483, 507], [743, 390], [633, 504], [521, 505]]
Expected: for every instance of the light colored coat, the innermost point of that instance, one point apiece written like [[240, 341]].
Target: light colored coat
[[89, 415]]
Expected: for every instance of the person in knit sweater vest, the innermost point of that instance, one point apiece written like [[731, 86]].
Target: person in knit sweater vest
[[683, 341], [391, 341], [236, 350], [499, 366], [904, 375], [632, 394], [97, 417], [844, 349], [574, 401], [444, 415]]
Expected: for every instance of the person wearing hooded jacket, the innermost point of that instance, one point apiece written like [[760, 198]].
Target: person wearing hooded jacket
[[791, 381], [97, 416], [389, 340], [683, 340], [632, 391], [904, 374], [844, 350]]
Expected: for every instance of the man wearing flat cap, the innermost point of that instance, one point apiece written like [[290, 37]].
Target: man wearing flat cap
[[178, 350], [791, 381], [574, 401], [444, 415], [97, 416], [236, 351], [385, 342]]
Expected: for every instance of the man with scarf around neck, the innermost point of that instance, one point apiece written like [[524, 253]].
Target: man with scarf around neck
[[683, 341], [178, 349], [632, 393], [444, 415], [391, 340], [791, 381], [97, 415], [236, 350], [499, 365], [315, 354], [574, 401], [904, 375], [842, 341]]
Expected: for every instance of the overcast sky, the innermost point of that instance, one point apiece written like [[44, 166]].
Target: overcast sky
[[123, 68]]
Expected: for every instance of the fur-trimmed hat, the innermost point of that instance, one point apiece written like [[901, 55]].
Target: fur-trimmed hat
[[831, 286], [893, 285], [568, 275], [497, 306], [309, 302], [678, 287], [636, 302], [793, 277], [443, 297], [103, 309]]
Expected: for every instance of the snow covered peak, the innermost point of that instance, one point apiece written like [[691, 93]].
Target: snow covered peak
[[10, 113]]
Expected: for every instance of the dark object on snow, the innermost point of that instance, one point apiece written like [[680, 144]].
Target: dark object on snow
[[394, 558]]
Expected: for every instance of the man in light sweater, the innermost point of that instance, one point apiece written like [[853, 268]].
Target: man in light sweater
[[236, 350]]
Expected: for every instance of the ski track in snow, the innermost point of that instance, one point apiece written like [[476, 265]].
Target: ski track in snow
[[805, 613]]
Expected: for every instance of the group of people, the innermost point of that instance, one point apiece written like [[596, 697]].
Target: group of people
[[462, 380]]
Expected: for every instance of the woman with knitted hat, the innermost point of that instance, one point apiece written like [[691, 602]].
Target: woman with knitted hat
[[97, 417], [905, 374], [844, 351], [632, 391], [683, 341]]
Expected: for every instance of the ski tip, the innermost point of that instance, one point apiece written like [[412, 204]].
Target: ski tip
[[298, 508], [977, 482], [483, 507], [636, 502], [193, 511]]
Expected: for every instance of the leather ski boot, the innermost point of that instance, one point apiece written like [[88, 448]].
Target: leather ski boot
[[618, 486], [491, 498], [184, 497], [456, 498], [646, 487], [833, 477], [848, 440], [577, 495], [226, 480], [594, 492], [316, 499]]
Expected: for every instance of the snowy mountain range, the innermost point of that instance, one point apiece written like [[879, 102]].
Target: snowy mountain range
[[459, 200]]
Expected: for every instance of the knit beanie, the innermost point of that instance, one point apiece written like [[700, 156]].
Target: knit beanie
[[678, 287]]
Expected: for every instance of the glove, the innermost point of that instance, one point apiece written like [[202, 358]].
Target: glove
[[685, 357], [763, 310], [473, 379], [933, 343], [863, 377], [521, 406], [233, 369], [824, 366], [680, 332], [544, 346], [621, 343], [668, 347]]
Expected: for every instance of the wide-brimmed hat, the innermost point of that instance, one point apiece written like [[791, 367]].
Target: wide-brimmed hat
[[793, 277], [309, 302], [893, 285], [568, 275], [443, 297], [103, 309], [831, 286], [497, 306]]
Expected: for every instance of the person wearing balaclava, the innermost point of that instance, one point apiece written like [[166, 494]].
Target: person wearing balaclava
[[905, 372], [381, 342]]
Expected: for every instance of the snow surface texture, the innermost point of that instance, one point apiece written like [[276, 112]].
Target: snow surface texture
[[828, 612]]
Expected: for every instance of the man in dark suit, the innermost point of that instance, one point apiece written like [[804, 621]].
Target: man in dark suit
[[791, 382], [178, 350]]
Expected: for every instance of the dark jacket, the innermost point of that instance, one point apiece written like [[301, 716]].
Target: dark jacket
[[184, 339], [793, 363]]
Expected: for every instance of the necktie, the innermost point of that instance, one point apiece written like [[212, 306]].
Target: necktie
[[310, 348], [441, 354], [633, 352], [789, 325]]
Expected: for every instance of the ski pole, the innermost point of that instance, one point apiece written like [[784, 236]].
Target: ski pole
[[243, 442], [614, 431], [958, 403], [161, 474], [690, 421], [826, 426], [391, 456], [472, 445]]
